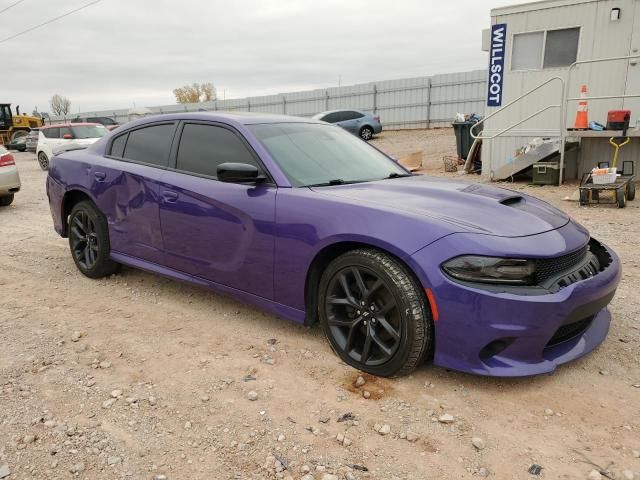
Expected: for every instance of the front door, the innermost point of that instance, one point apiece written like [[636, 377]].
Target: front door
[[223, 232]]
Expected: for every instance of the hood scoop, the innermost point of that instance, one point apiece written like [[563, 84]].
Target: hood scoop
[[513, 201]]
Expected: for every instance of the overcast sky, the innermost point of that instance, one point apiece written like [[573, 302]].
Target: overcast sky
[[118, 53]]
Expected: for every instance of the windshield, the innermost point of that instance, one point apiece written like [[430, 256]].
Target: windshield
[[89, 131], [316, 154]]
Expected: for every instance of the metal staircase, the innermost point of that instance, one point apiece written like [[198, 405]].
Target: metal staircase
[[526, 159]]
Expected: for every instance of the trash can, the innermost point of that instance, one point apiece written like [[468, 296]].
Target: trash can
[[464, 140]]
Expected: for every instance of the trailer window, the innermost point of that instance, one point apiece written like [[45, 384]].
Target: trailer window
[[527, 51], [545, 49], [561, 48]]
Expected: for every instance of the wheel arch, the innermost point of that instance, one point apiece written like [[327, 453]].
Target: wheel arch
[[70, 199], [330, 252]]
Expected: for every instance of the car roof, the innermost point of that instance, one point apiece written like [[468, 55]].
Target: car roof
[[242, 118], [341, 110], [72, 124]]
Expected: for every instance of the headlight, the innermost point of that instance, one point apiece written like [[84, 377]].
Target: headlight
[[511, 271]]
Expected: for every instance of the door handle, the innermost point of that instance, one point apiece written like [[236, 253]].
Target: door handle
[[169, 196], [100, 176]]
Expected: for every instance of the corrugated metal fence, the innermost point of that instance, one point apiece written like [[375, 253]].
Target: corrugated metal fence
[[422, 102]]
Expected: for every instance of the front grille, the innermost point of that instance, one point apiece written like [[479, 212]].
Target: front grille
[[556, 273], [569, 331], [547, 268]]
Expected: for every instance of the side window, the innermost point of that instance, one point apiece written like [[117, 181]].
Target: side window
[[117, 146], [351, 115], [65, 131], [150, 144], [526, 52], [204, 147], [332, 117], [51, 132]]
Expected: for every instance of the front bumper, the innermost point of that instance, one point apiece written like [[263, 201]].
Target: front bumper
[[507, 334], [9, 180]]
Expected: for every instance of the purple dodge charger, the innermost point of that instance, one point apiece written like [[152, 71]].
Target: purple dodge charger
[[308, 222]]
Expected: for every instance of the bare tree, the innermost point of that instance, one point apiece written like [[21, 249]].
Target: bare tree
[[60, 105], [195, 93]]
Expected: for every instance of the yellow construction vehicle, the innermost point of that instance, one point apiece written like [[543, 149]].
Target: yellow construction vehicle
[[14, 126]]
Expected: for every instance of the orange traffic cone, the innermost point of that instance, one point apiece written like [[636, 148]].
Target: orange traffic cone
[[582, 115]]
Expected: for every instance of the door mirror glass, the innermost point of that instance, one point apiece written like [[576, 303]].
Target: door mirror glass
[[238, 173]]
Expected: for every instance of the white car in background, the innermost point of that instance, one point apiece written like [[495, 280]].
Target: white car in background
[[59, 137], [9, 178]]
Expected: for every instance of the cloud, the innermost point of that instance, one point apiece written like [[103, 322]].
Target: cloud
[[120, 52]]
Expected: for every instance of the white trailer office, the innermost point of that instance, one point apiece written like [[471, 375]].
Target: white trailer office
[[540, 54]]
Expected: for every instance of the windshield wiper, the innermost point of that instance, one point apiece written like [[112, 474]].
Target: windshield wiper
[[335, 181], [398, 175]]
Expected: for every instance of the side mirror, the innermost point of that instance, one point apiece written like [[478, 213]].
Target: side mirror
[[67, 136], [238, 173]]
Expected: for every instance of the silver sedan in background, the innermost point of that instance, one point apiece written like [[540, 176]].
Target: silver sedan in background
[[363, 124], [9, 178]]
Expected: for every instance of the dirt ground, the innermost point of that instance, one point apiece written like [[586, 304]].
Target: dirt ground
[[137, 376]]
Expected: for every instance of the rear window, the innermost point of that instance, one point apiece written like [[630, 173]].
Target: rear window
[[102, 120], [150, 144], [53, 132], [89, 131], [117, 145]]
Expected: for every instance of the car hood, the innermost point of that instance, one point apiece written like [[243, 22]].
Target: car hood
[[466, 207]]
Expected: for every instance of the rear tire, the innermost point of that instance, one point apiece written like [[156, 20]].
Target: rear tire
[[43, 160], [6, 200], [89, 241], [366, 297], [366, 133], [621, 200]]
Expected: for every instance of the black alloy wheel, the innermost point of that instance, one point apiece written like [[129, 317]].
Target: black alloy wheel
[[84, 240], [89, 241], [374, 314], [363, 316]]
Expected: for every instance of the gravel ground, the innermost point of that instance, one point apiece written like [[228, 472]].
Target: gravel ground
[[138, 376]]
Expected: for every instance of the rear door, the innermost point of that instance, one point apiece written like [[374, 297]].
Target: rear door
[[350, 121], [126, 185], [223, 232]]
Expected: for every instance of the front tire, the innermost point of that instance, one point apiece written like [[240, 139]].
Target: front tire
[[374, 313], [366, 133], [631, 190], [6, 200], [89, 241], [43, 160]]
